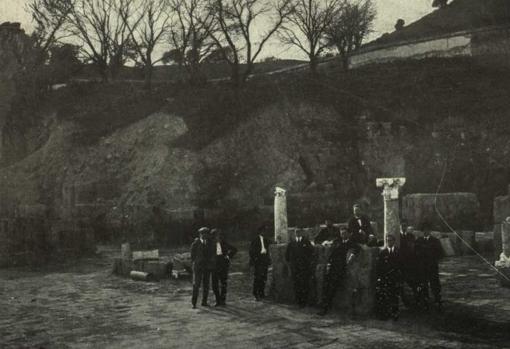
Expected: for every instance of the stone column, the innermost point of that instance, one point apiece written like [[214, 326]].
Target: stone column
[[391, 187], [281, 233]]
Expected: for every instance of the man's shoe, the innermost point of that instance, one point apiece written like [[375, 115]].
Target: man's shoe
[[205, 304], [257, 298], [194, 306]]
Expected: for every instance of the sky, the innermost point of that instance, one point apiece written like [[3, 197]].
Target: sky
[[388, 11]]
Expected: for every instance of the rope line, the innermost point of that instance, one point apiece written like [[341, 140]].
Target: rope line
[[441, 217]]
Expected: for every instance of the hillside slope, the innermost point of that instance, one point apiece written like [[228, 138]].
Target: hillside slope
[[215, 156]]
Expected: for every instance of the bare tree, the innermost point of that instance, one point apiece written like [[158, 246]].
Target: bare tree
[[307, 27], [236, 20], [103, 34], [50, 17], [350, 27], [190, 36], [147, 25]]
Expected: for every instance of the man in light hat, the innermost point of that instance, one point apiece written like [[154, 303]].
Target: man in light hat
[[200, 257]]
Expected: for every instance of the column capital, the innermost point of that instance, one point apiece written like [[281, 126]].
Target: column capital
[[280, 192], [391, 186]]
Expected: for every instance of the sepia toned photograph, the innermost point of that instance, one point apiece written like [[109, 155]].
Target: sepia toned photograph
[[254, 174]]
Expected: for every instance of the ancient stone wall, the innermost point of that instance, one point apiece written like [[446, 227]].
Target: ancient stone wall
[[449, 46], [355, 296], [30, 235], [460, 210], [488, 43], [500, 214]]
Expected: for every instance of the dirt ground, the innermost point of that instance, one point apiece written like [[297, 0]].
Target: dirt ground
[[82, 305]]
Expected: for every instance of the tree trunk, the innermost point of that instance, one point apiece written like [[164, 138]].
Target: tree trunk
[[314, 62], [235, 76], [148, 76], [104, 72], [345, 62]]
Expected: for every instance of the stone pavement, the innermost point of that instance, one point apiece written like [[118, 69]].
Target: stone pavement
[[83, 306]]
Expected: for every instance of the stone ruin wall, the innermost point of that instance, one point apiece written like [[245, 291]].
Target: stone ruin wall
[[460, 210], [490, 45], [501, 212]]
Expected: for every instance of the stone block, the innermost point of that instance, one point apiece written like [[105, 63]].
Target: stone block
[[504, 279], [466, 243], [458, 209], [357, 295], [182, 261], [497, 240], [122, 267], [125, 251], [501, 208], [447, 246], [161, 269], [152, 254]]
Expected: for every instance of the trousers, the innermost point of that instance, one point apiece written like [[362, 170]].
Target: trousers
[[201, 277]]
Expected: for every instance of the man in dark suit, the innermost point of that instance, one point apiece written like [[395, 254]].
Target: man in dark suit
[[428, 254], [299, 255], [260, 260], [327, 233], [343, 251], [409, 267], [359, 226], [201, 260], [389, 280], [223, 253]]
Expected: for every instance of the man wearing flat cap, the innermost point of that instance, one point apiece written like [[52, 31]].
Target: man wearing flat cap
[[200, 257]]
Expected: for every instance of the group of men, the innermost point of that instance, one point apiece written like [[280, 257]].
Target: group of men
[[345, 245], [210, 256], [413, 263]]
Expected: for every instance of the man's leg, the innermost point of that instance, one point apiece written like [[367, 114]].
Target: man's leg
[[205, 290], [263, 280], [197, 280], [302, 287], [223, 276], [435, 285], [256, 280], [215, 286], [394, 293], [297, 286], [330, 287]]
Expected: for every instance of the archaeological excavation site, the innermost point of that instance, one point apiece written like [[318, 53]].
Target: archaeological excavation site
[[254, 174]]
